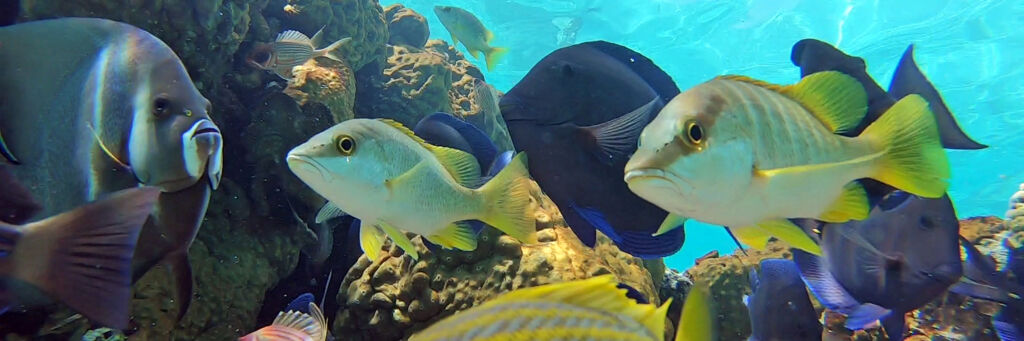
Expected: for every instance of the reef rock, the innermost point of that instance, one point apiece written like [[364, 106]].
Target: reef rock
[[362, 20], [406, 27], [1016, 205], [326, 82], [393, 297]]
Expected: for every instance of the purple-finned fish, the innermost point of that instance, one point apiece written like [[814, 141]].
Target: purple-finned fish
[[291, 49]]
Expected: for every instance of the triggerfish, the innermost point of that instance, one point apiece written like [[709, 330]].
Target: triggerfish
[[903, 256], [81, 258], [590, 309], [578, 114], [779, 307], [748, 155], [465, 27], [291, 49], [302, 320], [380, 172]]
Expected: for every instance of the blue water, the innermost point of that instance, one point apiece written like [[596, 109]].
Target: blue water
[[971, 51]]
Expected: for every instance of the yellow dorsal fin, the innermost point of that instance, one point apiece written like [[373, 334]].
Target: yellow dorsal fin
[[599, 293], [299, 321], [836, 99], [852, 204], [461, 165]]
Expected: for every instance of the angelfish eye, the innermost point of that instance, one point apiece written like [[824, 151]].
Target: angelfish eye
[[694, 133], [161, 106], [346, 145]]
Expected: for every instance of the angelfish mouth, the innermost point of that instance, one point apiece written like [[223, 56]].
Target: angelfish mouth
[[203, 148]]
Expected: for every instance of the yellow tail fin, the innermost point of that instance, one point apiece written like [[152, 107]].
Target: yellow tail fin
[[494, 55], [913, 159], [507, 201], [697, 321]]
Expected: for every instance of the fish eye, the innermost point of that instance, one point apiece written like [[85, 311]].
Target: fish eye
[[346, 145], [926, 223], [694, 132], [161, 106]]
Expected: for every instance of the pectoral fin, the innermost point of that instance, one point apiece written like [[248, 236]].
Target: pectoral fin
[[7, 152], [400, 239]]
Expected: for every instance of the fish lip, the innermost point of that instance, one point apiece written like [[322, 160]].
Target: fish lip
[[658, 174], [205, 126], [292, 159]]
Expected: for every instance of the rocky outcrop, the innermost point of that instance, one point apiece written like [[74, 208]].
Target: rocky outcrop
[[406, 27], [395, 296], [326, 82]]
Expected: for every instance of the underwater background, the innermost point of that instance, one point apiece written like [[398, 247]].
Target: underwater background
[[967, 49], [259, 246]]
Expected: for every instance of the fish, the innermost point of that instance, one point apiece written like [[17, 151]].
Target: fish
[[749, 155], [578, 113], [302, 320], [489, 119], [81, 257], [291, 49], [114, 110], [465, 27], [779, 306], [379, 171], [982, 280], [587, 309], [904, 255]]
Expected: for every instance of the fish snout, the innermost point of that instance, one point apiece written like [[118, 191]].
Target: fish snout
[[203, 146]]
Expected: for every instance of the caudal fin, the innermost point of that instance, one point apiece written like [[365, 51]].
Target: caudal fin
[[913, 159], [494, 55], [331, 50], [507, 197], [83, 257]]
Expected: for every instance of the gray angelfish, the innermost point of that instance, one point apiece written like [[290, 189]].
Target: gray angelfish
[[112, 108]]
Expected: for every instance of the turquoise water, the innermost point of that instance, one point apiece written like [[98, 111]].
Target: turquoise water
[[969, 49]]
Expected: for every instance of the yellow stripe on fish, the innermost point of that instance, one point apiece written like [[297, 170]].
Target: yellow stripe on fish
[[749, 155], [394, 182], [590, 309]]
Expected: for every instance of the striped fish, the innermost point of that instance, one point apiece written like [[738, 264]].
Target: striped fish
[[749, 155], [291, 49], [590, 309], [293, 326]]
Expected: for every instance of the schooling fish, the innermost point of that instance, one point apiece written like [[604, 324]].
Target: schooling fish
[[393, 181], [576, 114], [590, 309], [748, 155], [465, 27], [113, 110], [81, 257], [302, 320], [291, 49], [779, 306], [897, 260]]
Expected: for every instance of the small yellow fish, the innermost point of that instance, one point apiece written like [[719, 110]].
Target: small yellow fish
[[291, 49], [293, 326], [746, 154], [465, 27], [380, 172], [590, 309]]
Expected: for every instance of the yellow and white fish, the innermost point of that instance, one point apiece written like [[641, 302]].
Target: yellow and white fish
[[746, 154], [590, 309], [465, 27], [380, 172], [291, 49], [293, 326]]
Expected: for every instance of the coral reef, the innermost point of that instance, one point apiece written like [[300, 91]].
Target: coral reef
[[406, 27], [326, 82], [394, 296], [1016, 205]]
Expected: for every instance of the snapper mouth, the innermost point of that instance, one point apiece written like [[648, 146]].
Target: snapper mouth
[[656, 178], [301, 164]]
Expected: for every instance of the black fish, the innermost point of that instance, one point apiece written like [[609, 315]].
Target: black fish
[[81, 258], [903, 256], [984, 281], [779, 306], [578, 114]]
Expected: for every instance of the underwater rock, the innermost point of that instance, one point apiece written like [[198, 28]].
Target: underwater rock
[[363, 20], [395, 296], [406, 27], [327, 82], [1016, 205]]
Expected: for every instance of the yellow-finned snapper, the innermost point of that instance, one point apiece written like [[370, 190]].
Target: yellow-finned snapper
[[589, 309], [377, 170], [747, 154], [465, 27], [291, 49]]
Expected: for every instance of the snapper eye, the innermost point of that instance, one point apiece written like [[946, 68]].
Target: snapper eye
[[346, 145], [694, 133]]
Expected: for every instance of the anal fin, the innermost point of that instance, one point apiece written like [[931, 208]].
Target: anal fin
[[757, 236], [458, 235], [371, 239], [399, 238], [852, 204]]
